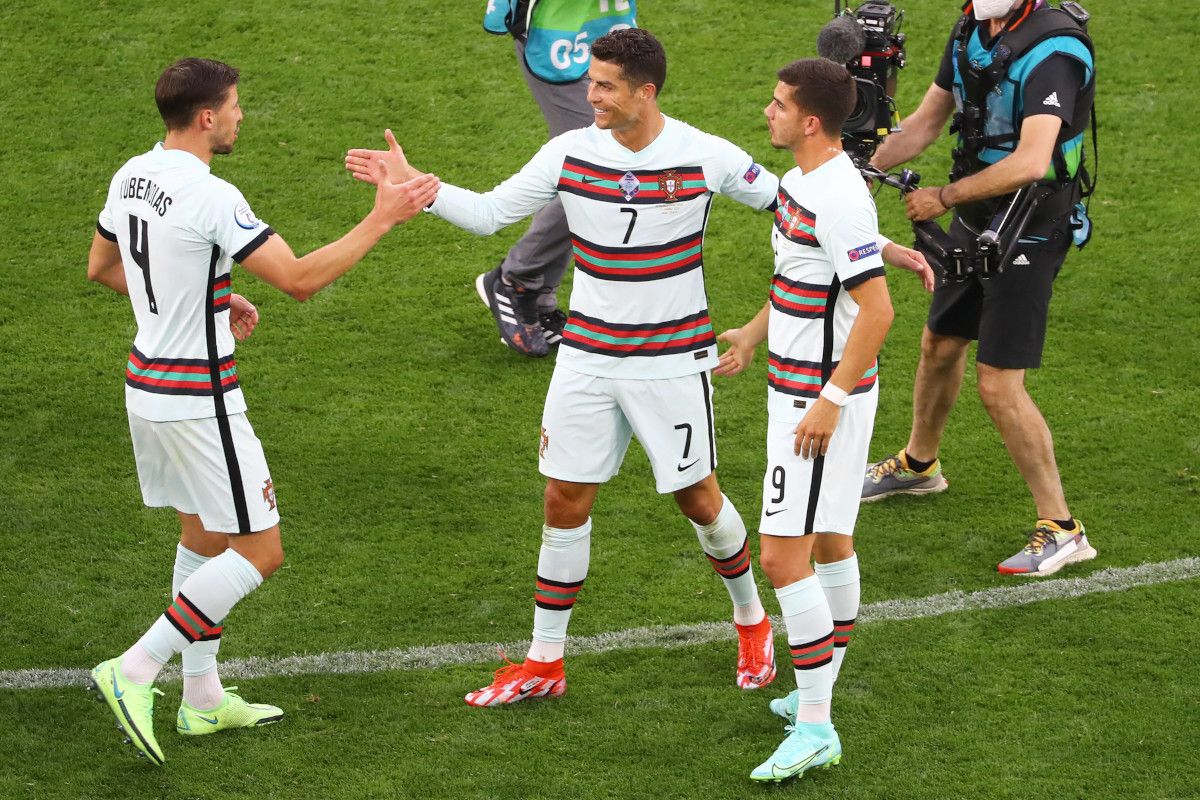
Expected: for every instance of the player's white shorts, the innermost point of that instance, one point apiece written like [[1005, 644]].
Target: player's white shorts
[[817, 496], [188, 465], [588, 421]]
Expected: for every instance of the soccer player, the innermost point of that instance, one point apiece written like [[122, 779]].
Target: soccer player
[[167, 237], [638, 344], [825, 320]]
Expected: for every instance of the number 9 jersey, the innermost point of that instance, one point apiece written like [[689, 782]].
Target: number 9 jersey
[[180, 229]]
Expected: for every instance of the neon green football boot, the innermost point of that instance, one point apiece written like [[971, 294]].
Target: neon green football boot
[[132, 704], [234, 712]]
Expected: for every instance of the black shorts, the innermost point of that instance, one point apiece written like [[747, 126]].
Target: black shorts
[[1006, 312]]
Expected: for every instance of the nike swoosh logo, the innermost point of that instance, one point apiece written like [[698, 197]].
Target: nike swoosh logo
[[587, 179], [529, 686], [801, 764], [212, 721], [117, 693], [773, 513], [687, 466]]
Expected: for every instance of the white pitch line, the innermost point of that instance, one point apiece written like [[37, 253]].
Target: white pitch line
[[1114, 579]]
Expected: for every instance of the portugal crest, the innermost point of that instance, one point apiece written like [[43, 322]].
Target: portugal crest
[[269, 494], [669, 183]]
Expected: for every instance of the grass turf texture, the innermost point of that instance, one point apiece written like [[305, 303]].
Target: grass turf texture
[[402, 438]]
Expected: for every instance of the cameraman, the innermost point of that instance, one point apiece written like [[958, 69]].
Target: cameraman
[[1022, 123]]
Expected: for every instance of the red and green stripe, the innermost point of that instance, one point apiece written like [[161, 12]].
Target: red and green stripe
[[555, 595], [638, 339], [191, 621], [799, 299], [179, 376], [222, 291], [639, 263], [841, 632], [811, 655], [601, 183], [733, 566], [803, 378]]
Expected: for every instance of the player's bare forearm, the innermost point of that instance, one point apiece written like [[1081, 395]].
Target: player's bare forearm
[[866, 336], [301, 278], [104, 264]]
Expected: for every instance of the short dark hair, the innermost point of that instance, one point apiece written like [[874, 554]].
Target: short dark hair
[[822, 88], [639, 55], [189, 85]]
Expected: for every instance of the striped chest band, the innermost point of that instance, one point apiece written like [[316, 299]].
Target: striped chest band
[[795, 222], [797, 299], [644, 339], [639, 263], [179, 376], [631, 187], [803, 378]]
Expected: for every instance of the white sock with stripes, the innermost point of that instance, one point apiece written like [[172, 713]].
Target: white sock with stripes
[[562, 568], [201, 683], [843, 589], [725, 543], [810, 637], [204, 600]]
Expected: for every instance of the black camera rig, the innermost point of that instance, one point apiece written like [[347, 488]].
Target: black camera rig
[[874, 71]]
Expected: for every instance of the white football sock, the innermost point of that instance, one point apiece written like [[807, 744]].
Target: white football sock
[[562, 568], [843, 589], [810, 637], [725, 543], [203, 601]]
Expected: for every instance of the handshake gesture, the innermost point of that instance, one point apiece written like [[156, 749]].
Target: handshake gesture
[[400, 191]]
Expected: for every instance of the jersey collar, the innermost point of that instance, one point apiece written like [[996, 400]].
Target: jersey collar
[[177, 158]]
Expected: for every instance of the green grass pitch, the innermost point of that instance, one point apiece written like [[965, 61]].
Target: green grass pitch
[[402, 439]]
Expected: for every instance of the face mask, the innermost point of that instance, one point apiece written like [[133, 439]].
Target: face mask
[[993, 9]]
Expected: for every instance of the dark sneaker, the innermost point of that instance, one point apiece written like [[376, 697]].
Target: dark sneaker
[[893, 476], [515, 312], [552, 325], [1050, 549]]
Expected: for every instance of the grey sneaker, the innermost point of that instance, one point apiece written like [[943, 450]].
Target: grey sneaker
[[515, 312], [893, 476], [1050, 549]]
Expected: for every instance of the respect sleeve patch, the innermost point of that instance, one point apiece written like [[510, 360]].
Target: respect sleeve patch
[[864, 251], [752, 174]]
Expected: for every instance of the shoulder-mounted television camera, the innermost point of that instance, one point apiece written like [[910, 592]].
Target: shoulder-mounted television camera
[[868, 41]]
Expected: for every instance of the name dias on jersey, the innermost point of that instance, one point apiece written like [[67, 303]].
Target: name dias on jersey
[[148, 190]]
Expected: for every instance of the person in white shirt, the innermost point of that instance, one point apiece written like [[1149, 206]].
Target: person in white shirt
[[825, 320], [638, 343], [167, 237]]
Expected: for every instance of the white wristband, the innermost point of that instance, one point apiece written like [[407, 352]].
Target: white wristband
[[834, 395]]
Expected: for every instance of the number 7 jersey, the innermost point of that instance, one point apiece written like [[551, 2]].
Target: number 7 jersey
[[638, 307], [180, 229]]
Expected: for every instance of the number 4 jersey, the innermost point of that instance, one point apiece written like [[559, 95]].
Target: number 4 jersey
[[180, 229], [638, 306]]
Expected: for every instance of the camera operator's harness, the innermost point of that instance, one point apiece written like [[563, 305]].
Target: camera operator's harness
[[985, 139]]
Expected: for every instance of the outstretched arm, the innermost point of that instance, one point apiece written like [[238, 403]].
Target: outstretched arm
[[303, 277], [483, 214]]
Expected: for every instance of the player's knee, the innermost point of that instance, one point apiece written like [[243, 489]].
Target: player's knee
[[565, 508], [782, 570], [831, 548], [701, 503]]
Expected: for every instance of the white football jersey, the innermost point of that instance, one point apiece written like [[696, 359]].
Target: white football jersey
[[638, 307], [180, 229], [826, 240]]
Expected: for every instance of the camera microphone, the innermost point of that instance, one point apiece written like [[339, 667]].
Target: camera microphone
[[841, 40]]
